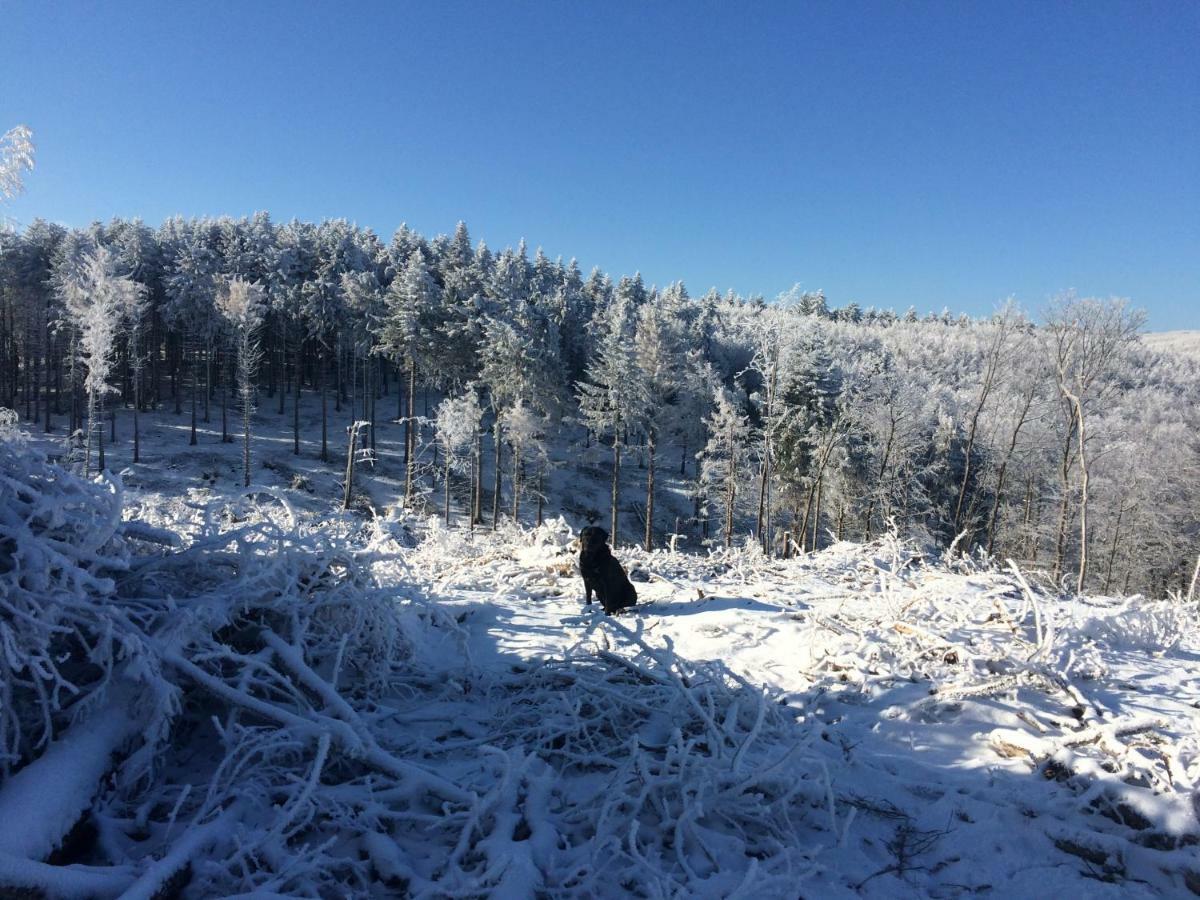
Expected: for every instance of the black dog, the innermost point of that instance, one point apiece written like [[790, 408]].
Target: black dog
[[602, 573]]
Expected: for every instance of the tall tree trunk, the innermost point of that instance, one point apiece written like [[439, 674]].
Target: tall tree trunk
[[207, 380], [1083, 497], [497, 451], [446, 489], [994, 515], [46, 392], [1060, 542], [374, 397], [100, 464], [281, 361], [1112, 553], [246, 410], [816, 525], [297, 359], [225, 438], [410, 432], [137, 402], [650, 493], [518, 466], [348, 490], [323, 363], [195, 388], [477, 480], [730, 488], [989, 380], [91, 421], [616, 486]]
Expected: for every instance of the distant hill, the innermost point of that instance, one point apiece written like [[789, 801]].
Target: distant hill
[[1185, 342]]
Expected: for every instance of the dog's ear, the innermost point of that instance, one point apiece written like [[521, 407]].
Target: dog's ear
[[603, 535]]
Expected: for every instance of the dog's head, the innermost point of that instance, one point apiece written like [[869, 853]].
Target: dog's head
[[592, 538]]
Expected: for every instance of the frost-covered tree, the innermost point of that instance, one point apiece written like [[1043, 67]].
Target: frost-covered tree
[[191, 289], [659, 353], [724, 457], [613, 400], [457, 427], [100, 303], [411, 306], [1086, 340], [526, 430], [16, 158], [243, 305]]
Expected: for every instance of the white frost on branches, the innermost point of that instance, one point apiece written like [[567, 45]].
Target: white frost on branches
[[16, 158]]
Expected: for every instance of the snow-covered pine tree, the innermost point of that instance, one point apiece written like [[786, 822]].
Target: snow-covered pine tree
[[725, 456], [291, 264], [659, 351], [191, 288], [100, 304], [243, 305], [613, 400], [411, 302]]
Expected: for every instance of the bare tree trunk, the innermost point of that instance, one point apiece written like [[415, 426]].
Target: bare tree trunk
[[87, 453], [207, 379], [323, 355], [1083, 495], [1060, 542], [616, 486], [477, 480], [541, 497], [1112, 551], [989, 380], [883, 464], [446, 490], [650, 494], [46, 368], [1195, 580], [281, 363], [517, 466], [497, 451], [352, 435], [816, 532], [137, 402], [100, 464], [374, 392], [410, 433], [297, 360], [730, 489], [225, 389], [195, 387], [246, 410], [994, 515]]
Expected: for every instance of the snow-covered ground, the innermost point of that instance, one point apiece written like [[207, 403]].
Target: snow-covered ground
[[949, 730], [1183, 342], [369, 704]]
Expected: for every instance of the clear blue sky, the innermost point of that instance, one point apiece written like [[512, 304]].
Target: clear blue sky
[[932, 154]]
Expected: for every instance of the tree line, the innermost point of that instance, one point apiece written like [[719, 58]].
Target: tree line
[[1067, 445]]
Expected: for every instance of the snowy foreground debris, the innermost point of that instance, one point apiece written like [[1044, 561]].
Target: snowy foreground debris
[[237, 700]]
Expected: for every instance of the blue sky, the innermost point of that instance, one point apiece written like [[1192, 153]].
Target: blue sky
[[925, 154]]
